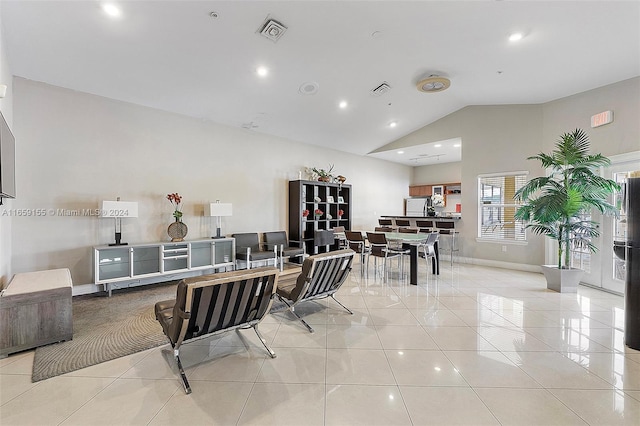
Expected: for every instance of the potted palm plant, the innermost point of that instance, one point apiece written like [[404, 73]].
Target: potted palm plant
[[555, 205]]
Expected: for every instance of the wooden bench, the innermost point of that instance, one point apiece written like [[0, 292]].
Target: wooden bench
[[35, 310]]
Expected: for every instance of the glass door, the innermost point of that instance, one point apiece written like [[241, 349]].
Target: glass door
[[614, 268], [603, 268]]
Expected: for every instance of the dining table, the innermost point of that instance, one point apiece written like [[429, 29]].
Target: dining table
[[411, 242]]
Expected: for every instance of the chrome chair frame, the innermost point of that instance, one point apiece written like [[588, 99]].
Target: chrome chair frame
[[357, 243], [380, 248]]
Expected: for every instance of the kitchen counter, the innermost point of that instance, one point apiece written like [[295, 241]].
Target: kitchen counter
[[436, 218], [451, 221]]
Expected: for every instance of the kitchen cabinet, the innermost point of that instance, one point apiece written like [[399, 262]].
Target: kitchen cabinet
[[419, 190]]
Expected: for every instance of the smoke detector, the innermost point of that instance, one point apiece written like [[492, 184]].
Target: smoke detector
[[309, 88], [433, 84], [272, 30], [381, 89]]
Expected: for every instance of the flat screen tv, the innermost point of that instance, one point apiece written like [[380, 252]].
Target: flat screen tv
[[7, 160]]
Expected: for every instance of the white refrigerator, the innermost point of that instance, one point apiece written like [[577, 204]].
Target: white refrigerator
[[417, 206]]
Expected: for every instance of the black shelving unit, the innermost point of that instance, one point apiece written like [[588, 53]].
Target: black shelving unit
[[312, 195]]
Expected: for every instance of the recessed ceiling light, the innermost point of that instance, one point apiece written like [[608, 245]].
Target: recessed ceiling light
[[111, 10], [262, 71], [456, 145], [438, 145], [343, 104], [400, 152], [393, 124], [515, 37]]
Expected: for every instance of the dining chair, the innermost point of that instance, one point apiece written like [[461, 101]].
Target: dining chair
[[428, 250], [380, 249], [338, 232], [383, 229], [357, 243], [408, 230]]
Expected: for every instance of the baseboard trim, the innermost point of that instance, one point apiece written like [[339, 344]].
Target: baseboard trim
[[79, 290], [496, 264]]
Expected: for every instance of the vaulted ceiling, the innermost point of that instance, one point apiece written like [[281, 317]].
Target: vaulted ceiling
[[179, 56]]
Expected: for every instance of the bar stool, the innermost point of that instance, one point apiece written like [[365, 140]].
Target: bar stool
[[425, 226], [385, 222], [448, 228]]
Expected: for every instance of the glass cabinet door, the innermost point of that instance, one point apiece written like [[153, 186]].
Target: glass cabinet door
[[224, 252], [146, 260], [114, 263], [202, 254]]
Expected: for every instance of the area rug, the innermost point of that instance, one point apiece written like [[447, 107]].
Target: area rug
[[105, 328]]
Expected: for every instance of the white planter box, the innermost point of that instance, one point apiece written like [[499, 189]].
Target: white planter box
[[562, 280]]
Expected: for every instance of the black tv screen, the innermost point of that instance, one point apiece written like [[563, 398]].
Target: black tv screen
[[7, 160]]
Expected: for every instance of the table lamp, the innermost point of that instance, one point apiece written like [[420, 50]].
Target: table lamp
[[117, 210], [218, 210]]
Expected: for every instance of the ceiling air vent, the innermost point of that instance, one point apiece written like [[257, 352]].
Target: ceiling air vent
[[381, 89], [272, 30]]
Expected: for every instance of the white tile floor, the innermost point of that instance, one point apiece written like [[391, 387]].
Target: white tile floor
[[475, 346]]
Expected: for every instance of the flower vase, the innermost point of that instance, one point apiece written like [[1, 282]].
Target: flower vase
[[177, 230]]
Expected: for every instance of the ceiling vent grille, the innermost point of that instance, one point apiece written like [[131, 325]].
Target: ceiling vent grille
[[272, 30], [381, 89]]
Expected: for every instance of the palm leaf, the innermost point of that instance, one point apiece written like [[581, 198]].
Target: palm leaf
[[552, 205]]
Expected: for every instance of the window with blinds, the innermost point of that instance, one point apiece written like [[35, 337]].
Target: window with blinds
[[497, 207]]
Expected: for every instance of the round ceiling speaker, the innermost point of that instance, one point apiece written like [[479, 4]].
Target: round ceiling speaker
[[309, 88], [433, 84]]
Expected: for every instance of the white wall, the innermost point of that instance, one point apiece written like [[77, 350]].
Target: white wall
[[500, 138], [78, 149], [621, 136], [437, 173], [7, 110], [494, 139]]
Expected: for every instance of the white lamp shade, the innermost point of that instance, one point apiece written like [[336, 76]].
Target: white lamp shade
[[218, 209], [119, 209]]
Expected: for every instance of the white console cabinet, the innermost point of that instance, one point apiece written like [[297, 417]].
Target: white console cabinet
[[154, 262]]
